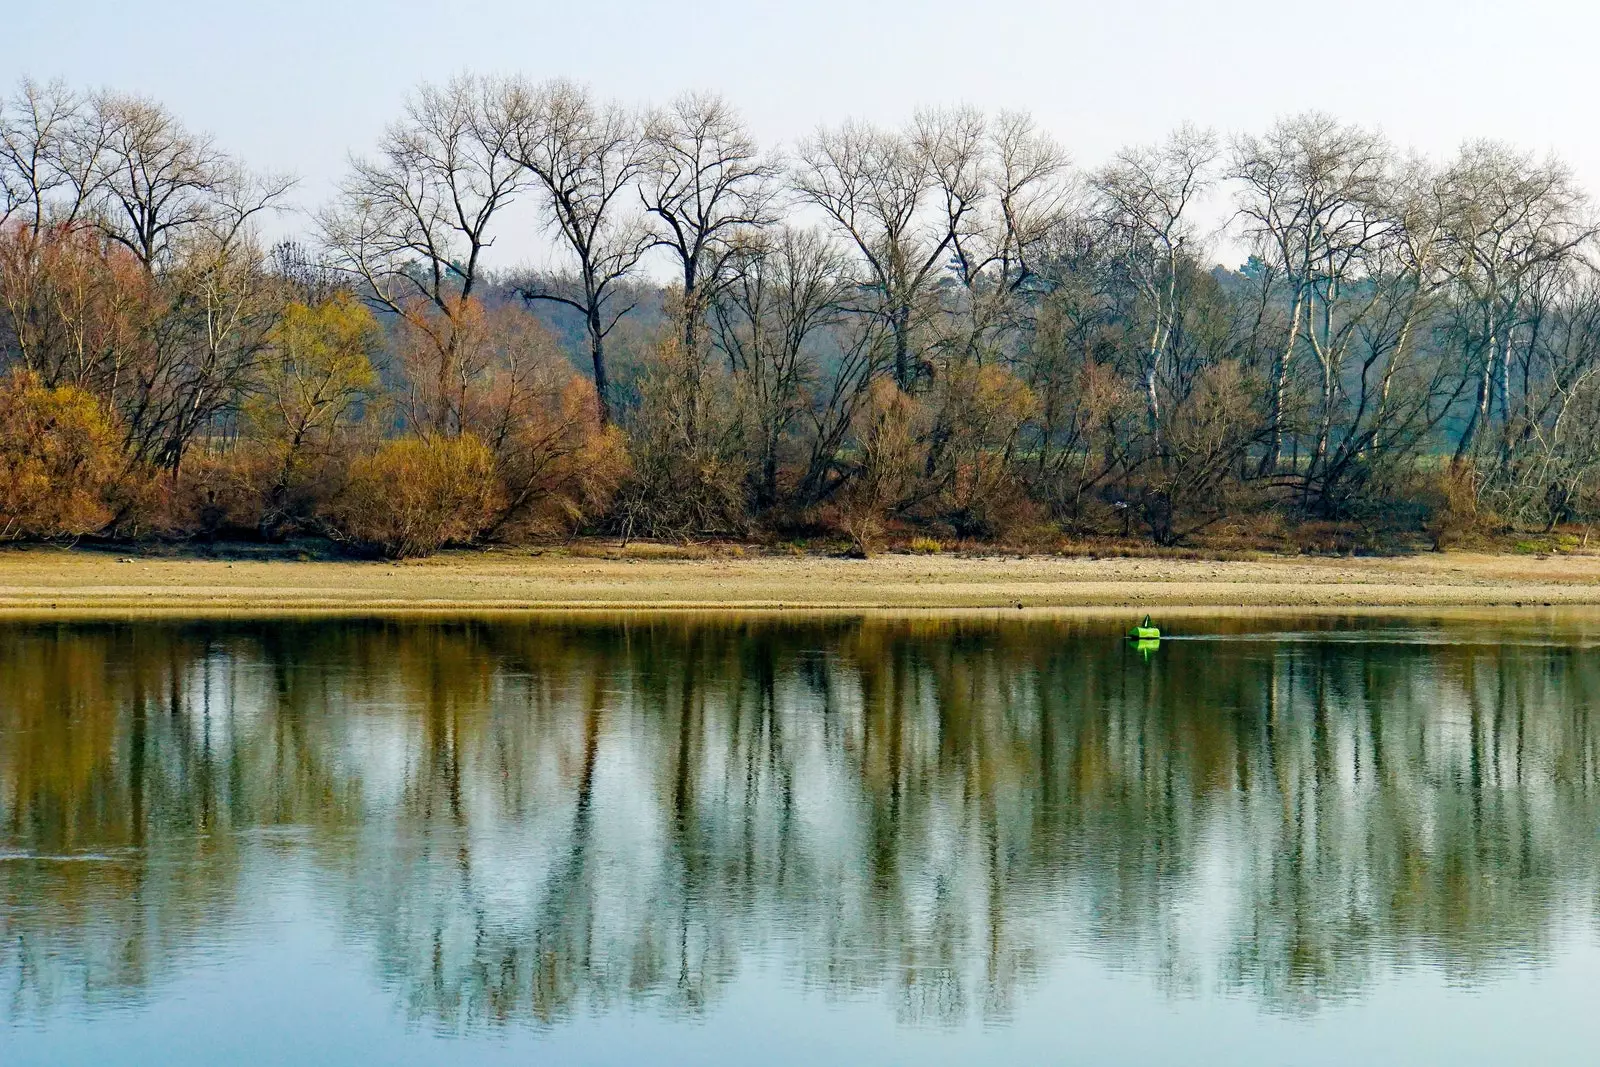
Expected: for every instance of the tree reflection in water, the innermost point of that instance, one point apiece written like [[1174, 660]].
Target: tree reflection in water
[[523, 820]]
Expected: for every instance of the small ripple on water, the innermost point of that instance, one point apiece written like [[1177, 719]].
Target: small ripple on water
[[1376, 637], [13, 856]]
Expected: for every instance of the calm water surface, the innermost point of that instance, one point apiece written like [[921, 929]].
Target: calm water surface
[[662, 840]]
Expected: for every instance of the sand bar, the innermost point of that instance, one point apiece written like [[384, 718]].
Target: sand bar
[[34, 581]]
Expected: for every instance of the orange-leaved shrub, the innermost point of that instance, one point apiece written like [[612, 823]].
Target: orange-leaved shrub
[[216, 493], [416, 494], [559, 466], [60, 455]]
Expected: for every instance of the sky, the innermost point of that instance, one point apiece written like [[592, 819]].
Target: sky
[[296, 85]]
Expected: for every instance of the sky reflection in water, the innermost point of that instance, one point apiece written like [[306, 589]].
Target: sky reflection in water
[[870, 840]]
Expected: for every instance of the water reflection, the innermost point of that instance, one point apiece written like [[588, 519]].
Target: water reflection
[[520, 821]]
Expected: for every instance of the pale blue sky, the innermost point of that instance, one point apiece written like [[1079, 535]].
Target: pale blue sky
[[294, 85]]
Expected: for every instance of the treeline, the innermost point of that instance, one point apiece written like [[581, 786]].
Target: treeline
[[946, 330]]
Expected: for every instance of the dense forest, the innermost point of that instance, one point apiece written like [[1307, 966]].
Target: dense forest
[[946, 332]]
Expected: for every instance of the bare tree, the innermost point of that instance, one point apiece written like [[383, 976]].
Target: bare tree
[[706, 185], [161, 306], [50, 154], [1087, 409], [73, 309], [783, 294], [583, 155], [1314, 201], [1509, 221], [1029, 192], [1550, 447], [160, 182], [901, 199], [1396, 389], [415, 222], [219, 305], [1033, 190], [1147, 199]]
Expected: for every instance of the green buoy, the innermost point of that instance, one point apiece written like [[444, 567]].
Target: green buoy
[[1145, 631]]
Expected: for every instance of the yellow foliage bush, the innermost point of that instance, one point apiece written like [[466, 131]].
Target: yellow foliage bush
[[415, 494], [889, 428], [1454, 510], [60, 455]]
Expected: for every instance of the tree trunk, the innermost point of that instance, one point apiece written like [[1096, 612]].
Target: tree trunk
[[597, 353], [1152, 401], [902, 348], [1319, 456], [1280, 388], [1480, 411], [691, 355]]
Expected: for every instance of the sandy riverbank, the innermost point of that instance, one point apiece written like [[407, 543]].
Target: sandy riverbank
[[54, 580]]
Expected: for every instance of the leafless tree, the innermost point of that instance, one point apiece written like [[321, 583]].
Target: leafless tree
[[159, 182], [707, 184], [901, 198], [221, 306], [1549, 450], [784, 292], [707, 189], [1147, 200], [1031, 192], [1314, 200], [584, 156], [160, 305], [1395, 391], [50, 154], [414, 223], [1509, 222]]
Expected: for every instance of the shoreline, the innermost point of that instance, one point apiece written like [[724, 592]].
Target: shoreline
[[58, 582]]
